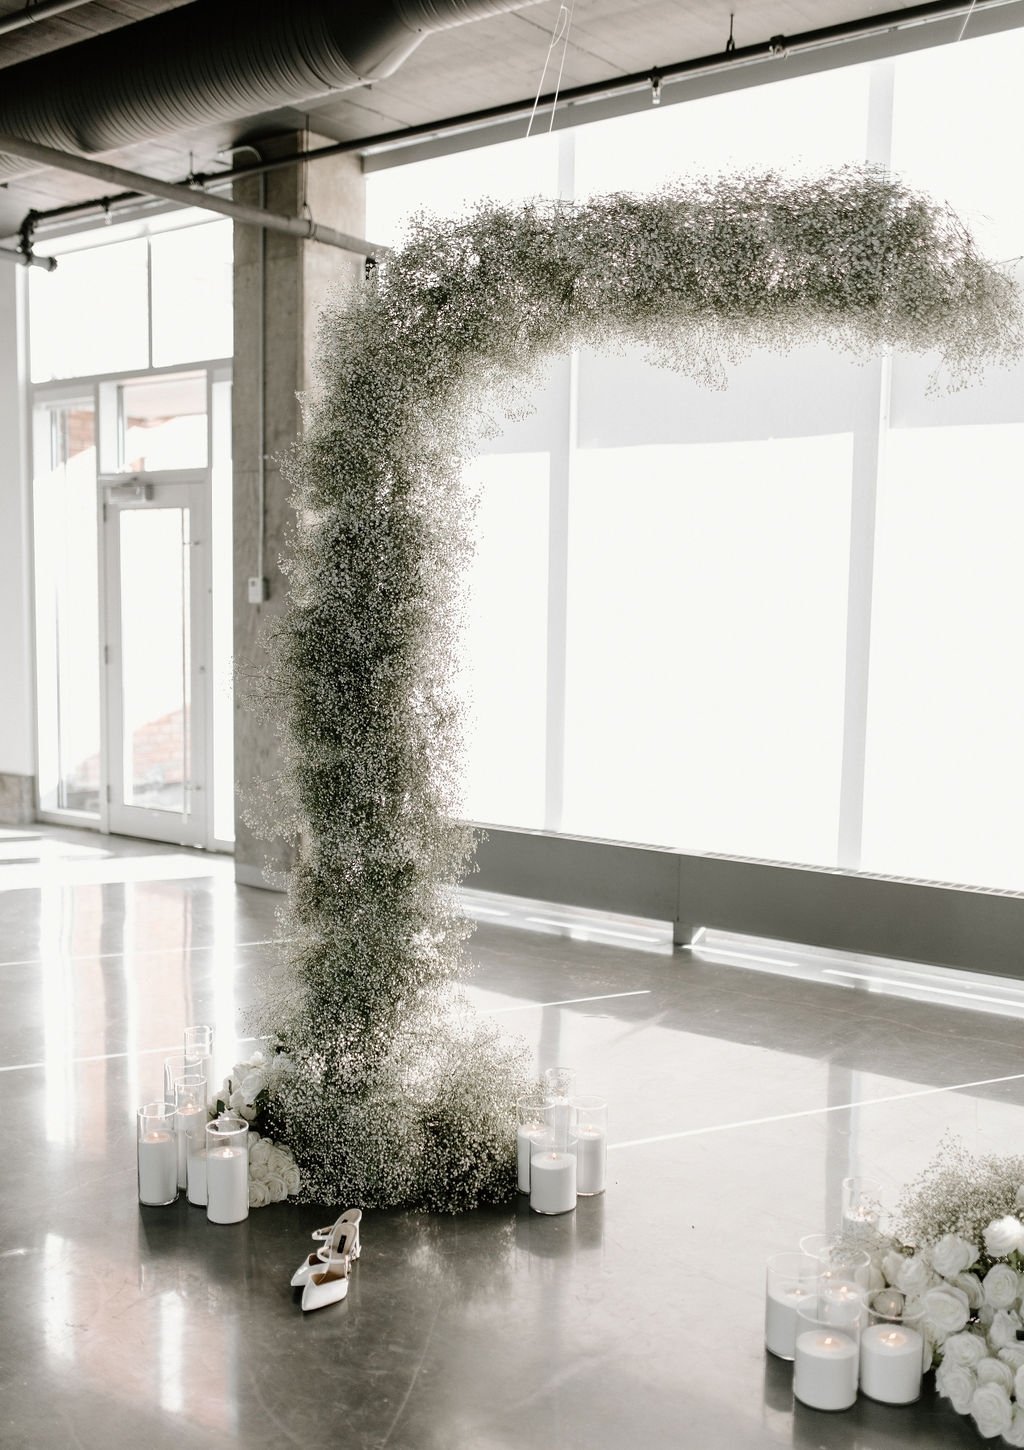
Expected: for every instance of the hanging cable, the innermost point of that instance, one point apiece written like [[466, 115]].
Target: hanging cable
[[730, 44], [967, 18], [560, 25]]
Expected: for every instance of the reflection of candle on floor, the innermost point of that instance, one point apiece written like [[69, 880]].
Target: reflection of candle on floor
[[187, 1120], [825, 1370], [780, 1318], [158, 1168], [523, 1146], [227, 1185], [553, 1181], [891, 1361]]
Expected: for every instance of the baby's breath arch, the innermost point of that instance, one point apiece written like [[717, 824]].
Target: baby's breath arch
[[399, 1092]]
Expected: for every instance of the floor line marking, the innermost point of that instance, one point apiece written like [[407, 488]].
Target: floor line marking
[[815, 1112], [269, 941], [565, 1002], [99, 1057]]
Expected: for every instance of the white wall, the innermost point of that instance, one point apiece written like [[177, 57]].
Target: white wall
[[17, 753]]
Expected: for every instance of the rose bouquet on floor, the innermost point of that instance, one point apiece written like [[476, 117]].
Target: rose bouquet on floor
[[273, 1173], [957, 1255]]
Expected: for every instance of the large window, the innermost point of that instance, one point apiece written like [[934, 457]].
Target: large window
[[763, 624]]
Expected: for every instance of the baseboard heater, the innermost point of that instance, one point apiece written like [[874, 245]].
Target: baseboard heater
[[969, 928]]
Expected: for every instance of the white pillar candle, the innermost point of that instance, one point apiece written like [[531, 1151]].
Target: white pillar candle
[[591, 1159], [227, 1185], [197, 1175], [780, 1317], [825, 1370], [158, 1168], [523, 1151], [187, 1120], [860, 1222], [552, 1181], [842, 1302], [891, 1361]]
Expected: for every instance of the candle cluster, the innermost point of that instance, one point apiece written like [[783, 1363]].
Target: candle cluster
[[562, 1144]]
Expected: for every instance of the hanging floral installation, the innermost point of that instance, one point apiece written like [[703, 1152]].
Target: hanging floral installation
[[399, 1093]]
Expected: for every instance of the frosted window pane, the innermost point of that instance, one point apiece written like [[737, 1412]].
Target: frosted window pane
[[505, 643], [799, 125], [450, 185], [192, 303], [92, 314], [707, 616], [956, 133], [944, 793]]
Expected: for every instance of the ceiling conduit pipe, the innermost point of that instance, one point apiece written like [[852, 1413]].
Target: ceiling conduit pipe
[[187, 196], [213, 62], [28, 259], [32, 14]]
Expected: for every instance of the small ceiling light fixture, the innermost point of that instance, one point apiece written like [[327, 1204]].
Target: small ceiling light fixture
[[655, 87], [777, 47]]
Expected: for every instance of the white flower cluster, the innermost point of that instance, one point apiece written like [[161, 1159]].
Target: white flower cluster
[[243, 1091], [971, 1299], [273, 1172]]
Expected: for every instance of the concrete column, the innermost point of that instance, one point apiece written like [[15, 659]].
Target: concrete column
[[280, 286], [17, 712]]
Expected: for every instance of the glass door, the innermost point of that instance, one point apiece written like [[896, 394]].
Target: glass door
[[157, 599]]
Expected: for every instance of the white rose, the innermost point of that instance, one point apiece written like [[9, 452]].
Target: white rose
[[994, 1372], [259, 1196], [956, 1383], [253, 1137], [277, 1188], [260, 1152], [253, 1084], [914, 1276], [1003, 1329], [1013, 1355], [970, 1285], [946, 1311], [258, 1172], [278, 1163], [1002, 1286], [892, 1263], [952, 1255], [965, 1349], [992, 1411], [986, 1314], [293, 1179], [1004, 1236], [876, 1279], [1015, 1434], [256, 1059], [237, 1101], [1019, 1386], [285, 1152]]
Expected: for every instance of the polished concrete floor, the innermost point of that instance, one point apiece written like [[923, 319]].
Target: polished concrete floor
[[739, 1100]]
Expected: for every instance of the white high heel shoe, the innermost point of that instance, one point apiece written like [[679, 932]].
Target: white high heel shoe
[[329, 1283], [351, 1216]]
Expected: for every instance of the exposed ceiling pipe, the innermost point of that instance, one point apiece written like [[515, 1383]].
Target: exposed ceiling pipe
[[32, 14], [28, 259], [212, 62], [187, 196]]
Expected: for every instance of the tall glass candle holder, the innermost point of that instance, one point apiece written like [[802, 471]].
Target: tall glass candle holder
[[227, 1170], [530, 1116], [844, 1263], [826, 1360], [179, 1066], [559, 1086], [791, 1280], [199, 1048], [861, 1203], [189, 1114], [591, 1129], [157, 1154], [892, 1350]]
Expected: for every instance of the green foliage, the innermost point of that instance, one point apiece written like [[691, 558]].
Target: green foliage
[[399, 1095]]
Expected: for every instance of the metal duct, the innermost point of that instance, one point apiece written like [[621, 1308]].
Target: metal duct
[[211, 62]]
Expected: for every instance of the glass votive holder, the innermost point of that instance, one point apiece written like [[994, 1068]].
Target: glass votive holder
[[530, 1120], [791, 1280], [815, 1245], [846, 1263], [560, 1123], [199, 1048], [227, 1170], [861, 1208], [179, 1066], [591, 1131], [157, 1154], [892, 1350], [552, 1174], [826, 1361], [559, 1083], [841, 1300], [189, 1112]]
